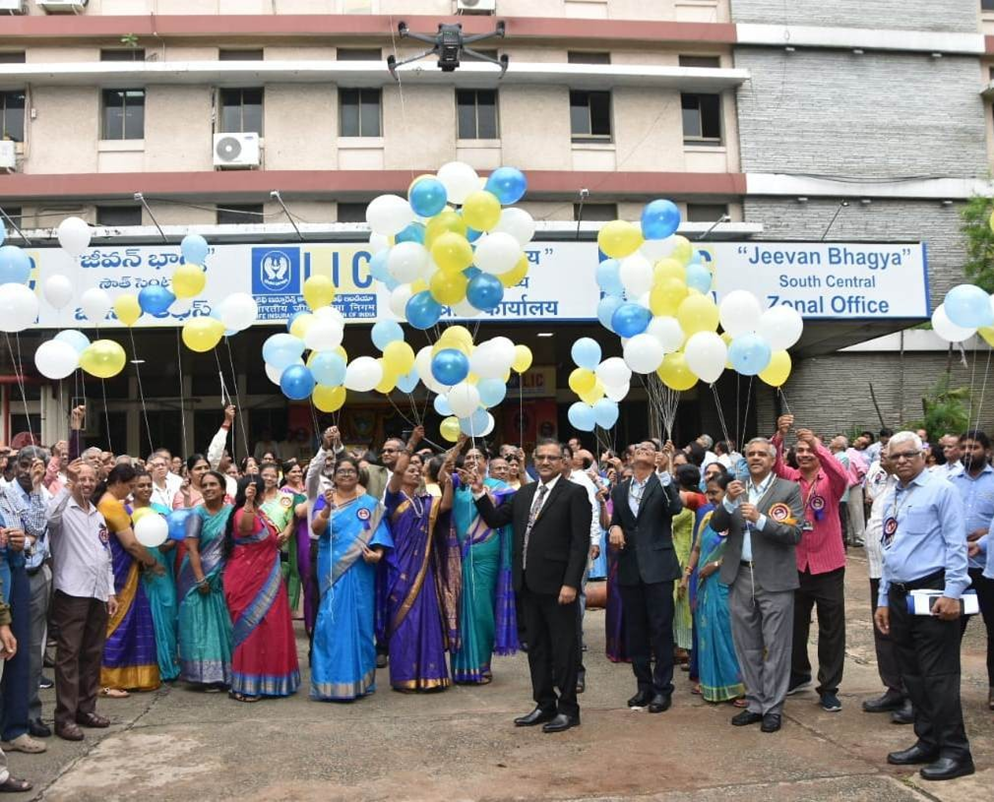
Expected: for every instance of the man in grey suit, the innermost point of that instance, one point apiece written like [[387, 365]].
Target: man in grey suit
[[764, 519]]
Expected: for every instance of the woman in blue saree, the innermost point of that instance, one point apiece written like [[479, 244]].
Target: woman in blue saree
[[353, 535]]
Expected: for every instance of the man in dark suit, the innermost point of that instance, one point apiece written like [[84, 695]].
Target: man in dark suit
[[641, 531], [551, 524]]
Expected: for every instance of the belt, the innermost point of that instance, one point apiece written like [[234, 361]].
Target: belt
[[903, 588]]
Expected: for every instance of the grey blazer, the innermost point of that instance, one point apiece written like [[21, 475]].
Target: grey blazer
[[774, 563]]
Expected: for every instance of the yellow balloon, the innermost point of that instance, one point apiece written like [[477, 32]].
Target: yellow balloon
[[987, 332], [594, 394], [991, 221], [619, 239], [449, 429], [514, 276], [328, 399], [683, 251], [778, 370], [418, 286], [669, 268], [457, 345], [319, 291], [582, 380], [458, 334], [481, 210], [522, 358], [674, 372], [452, 252], [472, 378], [446, 220], [388, 382], [398, 358], [448, 288], [200, 334], [666, 296], [103, 359], [127, 309], [301, 324], [341, 352], [696, 313], [188, 281]]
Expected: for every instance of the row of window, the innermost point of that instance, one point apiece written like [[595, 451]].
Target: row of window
[[360, 114]]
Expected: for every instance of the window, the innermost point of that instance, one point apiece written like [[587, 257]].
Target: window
[[14, 213], [240, 55], [987, 5], [706, 212], [124, 114], [701, 119], [119, 215], [12, 57], [351, 212], [711, 62], [12, 116], [595, 212], [241, 111], [131, 54], [359, 112], [579, 57], [239, 214], [477, 113], [590, 115], [359, 54]]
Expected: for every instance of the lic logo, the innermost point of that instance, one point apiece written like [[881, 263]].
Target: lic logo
[[275, 271]]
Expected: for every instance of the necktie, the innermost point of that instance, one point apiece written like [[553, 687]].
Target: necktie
[[532, 516]]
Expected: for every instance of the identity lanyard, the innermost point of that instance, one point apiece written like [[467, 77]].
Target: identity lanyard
[[890, 525], [814, 502]]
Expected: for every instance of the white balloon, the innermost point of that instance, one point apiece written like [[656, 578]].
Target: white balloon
[[275, 374], [667, 330], [362, 374], [706, 354], [739, 312], [422, 364], [58, 290], [238, 311], [614, 372], [464, 399], [636, 275], [518, 223], [497, 254], [398, 300], [656, 249], [485, 364], [95, 304], [323, 335], [389, 214], [74, 235], [459, 180], [151, 530], [332, 313], [941, 324], [56, 359], [408, 261], [782, 327], [465, 309], [503, 351], [643, 353], [617, 393], [18, 307], [378, 242]]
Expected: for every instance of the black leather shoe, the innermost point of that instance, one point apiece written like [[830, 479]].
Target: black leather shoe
[[382, 660], [771, 722], [903, 715], [641, 699], [660, 703], [561, 723], [746, 717], [911, 757], [37, 729], [891, 700], [581, 684], [947, 768], [537, 716]]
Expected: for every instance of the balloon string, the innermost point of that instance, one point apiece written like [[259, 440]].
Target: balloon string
[[19, 372], [745, 416], [238, 402], [141, 392], [521, 412], [721, 412], [783, 399], [182, 401], [103, 390]]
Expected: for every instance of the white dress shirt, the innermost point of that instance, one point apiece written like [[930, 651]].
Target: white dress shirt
[[579, 477], [80, 544], [873, 536]]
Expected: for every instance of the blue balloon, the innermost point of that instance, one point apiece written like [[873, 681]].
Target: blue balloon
[[297, 382], [449, 366], [391, 284], [749, 354], [155, 300], [415, 232], [606, 413], [441, 404], [699, 277], [630, 319], [194, 248], [422, 310], [378, 265], [428, 197], [476, 424], [15, 265], [75, 338], [609, 277], [385, 332], [606, 308], [471, 272], [492, 391], [183, 524], [966, 305], [408, 382], [282, 350], [472, 235], [508, 184], [586, 353], [328, 368], [699, 257], [3, 234], [660, 219], [581, 416], [485, 292]]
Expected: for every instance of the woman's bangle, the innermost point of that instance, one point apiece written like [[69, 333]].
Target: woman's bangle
[[201, 582]]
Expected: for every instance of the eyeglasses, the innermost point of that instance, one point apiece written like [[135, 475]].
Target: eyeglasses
[[908, 455], [389, 450], [547, 458], [345, 472]]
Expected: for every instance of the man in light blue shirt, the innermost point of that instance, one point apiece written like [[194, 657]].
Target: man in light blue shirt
[[924, 547]]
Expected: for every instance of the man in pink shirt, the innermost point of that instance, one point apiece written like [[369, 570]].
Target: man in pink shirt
[[821, 562]]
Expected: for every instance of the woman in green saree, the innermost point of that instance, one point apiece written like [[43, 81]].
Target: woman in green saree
[[279, 507]]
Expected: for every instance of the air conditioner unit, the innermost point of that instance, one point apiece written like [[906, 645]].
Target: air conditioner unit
[[236, 150], [476, 6], [8, 157], [14, 6], [62, 6]]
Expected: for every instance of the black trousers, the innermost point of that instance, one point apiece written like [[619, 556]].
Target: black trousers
[[550, 630], [985, 597], [887, 667], [648, 609], [827, 592], [928, 654]]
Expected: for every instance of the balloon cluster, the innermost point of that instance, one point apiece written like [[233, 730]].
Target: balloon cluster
[[965, 311], [431, 255]]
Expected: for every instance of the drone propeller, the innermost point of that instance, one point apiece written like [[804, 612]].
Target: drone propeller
[[449, 45]]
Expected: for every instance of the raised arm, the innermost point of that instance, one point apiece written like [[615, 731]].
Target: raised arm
[[781, 468], [246, 521], [76, 419], [330, 445], [216, 448]]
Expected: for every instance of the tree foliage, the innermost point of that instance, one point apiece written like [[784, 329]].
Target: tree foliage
[[944, 410], [976, 228]]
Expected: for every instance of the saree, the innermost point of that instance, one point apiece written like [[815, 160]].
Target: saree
[[683, 622], [280, 513], [421, 593], [721, 679], [161, 593], [614, 619], [204, 622], [130, 660], [343, 652], [264, 656]]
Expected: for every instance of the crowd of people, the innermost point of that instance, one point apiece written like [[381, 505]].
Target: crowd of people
[[428, 564]]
